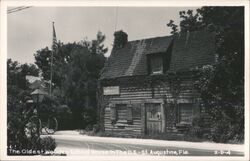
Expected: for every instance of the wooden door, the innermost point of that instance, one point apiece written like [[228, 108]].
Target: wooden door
[[153, 118]]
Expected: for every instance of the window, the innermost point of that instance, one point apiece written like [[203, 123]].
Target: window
[[121, 114], [156, 64], [185, 113]]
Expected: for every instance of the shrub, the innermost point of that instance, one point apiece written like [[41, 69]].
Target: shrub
[[88, 117], [96, 128], [18, 139], [199, 128], [227, 132], [227, 124], [48, 143], [64, 117], [47, 107]]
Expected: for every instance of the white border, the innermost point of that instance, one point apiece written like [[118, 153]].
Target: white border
[[135, 3]]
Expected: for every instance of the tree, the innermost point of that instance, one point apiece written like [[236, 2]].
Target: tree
[[76, 69], [173, 26], [29, 69], [17, 85], [190, 22], [17, 94], [42, 60], [80, 85], [60, 58], [221, 85]]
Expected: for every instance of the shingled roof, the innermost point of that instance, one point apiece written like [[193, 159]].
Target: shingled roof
[[189, 50]]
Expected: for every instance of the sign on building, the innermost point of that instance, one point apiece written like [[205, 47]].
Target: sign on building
[[111, 90]]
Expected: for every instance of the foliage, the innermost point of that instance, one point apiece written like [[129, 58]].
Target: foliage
[[43, 61], [48, 143], [76, 69], [48, 107], [18, 137], [64, 117], [18, 93], [17, 86], [222, 84], [173, 26], [190, 22], [199, 128]]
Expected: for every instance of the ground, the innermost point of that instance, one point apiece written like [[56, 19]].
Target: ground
[[72, 143]]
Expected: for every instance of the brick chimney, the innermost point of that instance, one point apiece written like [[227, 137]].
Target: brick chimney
[[120, 39]]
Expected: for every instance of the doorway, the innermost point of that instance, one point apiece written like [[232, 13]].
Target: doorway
[[154, 118]]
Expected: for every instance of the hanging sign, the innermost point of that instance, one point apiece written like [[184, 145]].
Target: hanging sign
[[111, 90]]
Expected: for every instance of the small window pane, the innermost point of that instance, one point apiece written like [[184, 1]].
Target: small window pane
[[186, 113], [156, 65], [121, 112]]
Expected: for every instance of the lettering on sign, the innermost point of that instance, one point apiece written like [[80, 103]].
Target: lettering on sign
[[111, 90]]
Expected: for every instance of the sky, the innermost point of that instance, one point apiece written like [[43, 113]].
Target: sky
[[30, 30]]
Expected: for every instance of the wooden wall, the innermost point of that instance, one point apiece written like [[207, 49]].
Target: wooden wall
[[137, 96], [133, 129]]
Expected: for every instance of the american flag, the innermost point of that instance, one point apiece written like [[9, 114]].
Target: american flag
[[54, 41]]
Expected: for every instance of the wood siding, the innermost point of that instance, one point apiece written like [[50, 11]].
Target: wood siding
[[131, 129], [137, 97]]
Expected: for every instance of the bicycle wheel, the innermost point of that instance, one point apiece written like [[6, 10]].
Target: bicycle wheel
[[52, 125], [33, 126]]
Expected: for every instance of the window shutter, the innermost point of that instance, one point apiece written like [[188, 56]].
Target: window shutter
[[113, 115], [129, 114]]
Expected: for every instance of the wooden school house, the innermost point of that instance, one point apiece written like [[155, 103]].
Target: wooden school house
[[148, 85]]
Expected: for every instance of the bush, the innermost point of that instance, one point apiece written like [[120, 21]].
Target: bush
[[48, 144], [227, 132], [199, 128], [88, 117], [96, 128], [47, 107], [19, 140], [227, 124], [64, 117]]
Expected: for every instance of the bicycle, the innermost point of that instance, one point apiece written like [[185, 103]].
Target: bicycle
[[50, 126], [36, 124]]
